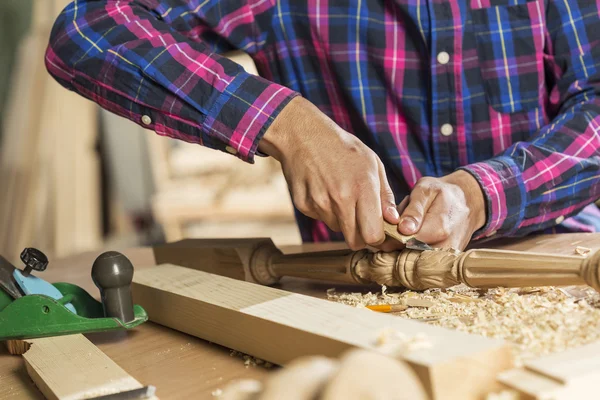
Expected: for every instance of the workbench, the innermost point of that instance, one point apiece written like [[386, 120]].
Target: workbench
[[182, 366]]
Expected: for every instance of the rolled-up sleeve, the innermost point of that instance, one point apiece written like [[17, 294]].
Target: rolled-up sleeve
[[154, 62]]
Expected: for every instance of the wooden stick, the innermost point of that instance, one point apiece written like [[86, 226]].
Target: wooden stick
[[72, 368], [279, 326]]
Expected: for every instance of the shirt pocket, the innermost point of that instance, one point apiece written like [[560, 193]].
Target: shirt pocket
[[509, 37]]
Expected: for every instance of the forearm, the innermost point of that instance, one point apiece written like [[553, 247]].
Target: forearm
[[535, 185], [129, 59]]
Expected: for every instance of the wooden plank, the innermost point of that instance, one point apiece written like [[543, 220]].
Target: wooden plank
[[35, 219], [76, 173], [566, 375], [279, 326], [21, 129], [571, 366], [531, 385], [72, 368]]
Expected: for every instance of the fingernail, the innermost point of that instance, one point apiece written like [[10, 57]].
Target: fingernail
[[394, 212], [408, 224]]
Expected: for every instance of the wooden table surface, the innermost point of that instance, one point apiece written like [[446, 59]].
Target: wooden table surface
[[185, 367]]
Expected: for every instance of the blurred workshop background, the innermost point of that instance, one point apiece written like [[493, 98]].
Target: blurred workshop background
[[75, 178]]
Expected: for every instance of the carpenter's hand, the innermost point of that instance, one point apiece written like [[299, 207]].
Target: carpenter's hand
[[332, 175], [359, 374], [444, 212]]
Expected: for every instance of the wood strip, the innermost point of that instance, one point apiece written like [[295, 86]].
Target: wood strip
[[279, 326], [72, 368]]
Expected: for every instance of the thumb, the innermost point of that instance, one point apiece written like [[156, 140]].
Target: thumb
[[418, 204], [388, 202]]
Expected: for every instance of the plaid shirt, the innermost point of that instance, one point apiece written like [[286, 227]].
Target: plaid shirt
[[504, 89]]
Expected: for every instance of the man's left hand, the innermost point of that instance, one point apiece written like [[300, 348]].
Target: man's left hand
[[443, 212]]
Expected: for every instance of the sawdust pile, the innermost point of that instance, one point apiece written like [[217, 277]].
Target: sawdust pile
[[536, 321]]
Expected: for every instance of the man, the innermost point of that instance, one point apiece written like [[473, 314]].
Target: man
[[482, 115]]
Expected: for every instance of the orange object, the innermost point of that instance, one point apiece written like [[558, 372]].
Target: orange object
[[387, 308]]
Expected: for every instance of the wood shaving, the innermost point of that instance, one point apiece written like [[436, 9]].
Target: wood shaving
[[462, 298], [536, 321], [414, 302], [249, 361], [582, 251]]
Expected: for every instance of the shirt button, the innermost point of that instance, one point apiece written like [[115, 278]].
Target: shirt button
[[443, 58], [146, 120], [447, 130], [231, 150], [559, 220]]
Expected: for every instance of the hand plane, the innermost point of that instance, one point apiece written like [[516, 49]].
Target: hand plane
[[31, 308]]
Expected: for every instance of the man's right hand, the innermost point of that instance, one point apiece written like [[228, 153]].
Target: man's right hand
[[332, 175]]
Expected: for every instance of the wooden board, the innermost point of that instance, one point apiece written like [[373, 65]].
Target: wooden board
[[279, 326], [72, 368]]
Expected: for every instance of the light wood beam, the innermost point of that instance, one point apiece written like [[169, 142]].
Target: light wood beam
[[280, 326]]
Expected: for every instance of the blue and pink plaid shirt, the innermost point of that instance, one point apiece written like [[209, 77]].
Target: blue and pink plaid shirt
[[505, 89]]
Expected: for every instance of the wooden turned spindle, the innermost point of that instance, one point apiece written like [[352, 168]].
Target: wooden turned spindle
[[416, 270], [268, 265], [482, 268], [491, 268], [260, 261]]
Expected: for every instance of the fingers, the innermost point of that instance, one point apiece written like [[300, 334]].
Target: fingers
[[369, 218], [375, 205], [356, 207], [435, 229], [388, 201], [315, 204], [390, 245], [440, 213], [421, 198], [349, 228], [402, 206], [444, 225]]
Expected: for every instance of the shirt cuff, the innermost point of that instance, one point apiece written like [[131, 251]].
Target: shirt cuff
[[243, 112], [505, 196]]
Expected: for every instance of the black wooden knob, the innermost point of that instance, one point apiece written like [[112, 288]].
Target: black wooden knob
[[33, 260], [112, 273]]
